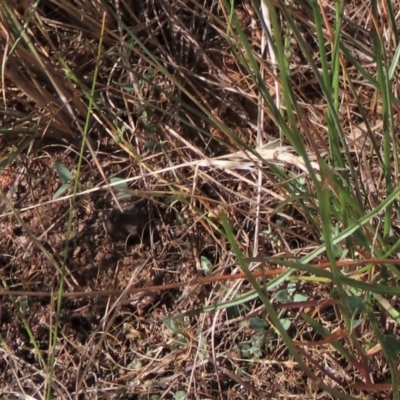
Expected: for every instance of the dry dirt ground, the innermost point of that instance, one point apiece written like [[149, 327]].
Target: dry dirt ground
[[112, 344]]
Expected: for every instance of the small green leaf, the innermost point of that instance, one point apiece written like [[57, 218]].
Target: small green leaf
[[61, 190], [258, 324], [256, 343], [300, 297], [180, 395], [282, 296], [355, 304], [266, 232], [180, 341], [173, 324], [291, 287], [119, 187], [285, 323], [206, 265], [155, 147], [244, 349], [63, 172]]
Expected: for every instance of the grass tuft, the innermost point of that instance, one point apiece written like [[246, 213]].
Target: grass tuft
[[199, 200]]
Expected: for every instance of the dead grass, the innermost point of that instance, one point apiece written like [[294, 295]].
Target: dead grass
[[178, 116]]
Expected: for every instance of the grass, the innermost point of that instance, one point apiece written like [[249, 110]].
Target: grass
[[260, 141]]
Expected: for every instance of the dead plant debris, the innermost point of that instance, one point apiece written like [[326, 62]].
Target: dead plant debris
[[171, 103]]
